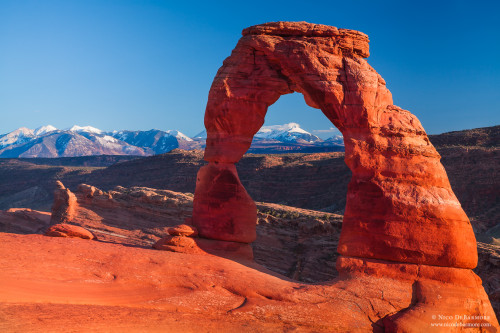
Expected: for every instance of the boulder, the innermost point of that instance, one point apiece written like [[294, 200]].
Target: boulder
[[69, 230]]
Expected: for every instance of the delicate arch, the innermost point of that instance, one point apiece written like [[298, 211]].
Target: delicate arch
[[400, 205]]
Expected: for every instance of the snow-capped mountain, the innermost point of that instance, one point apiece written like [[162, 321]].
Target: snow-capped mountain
[[48, 141], [19, 136], [179, 135], [336, 140], [290, 132], [201, 136], [287, 138], [157, 141], [85, 129], [44, 129]]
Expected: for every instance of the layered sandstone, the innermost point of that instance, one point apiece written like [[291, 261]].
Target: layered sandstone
[[136, 216], [24, 221], [397, 181], [64, 206], [90, 286]]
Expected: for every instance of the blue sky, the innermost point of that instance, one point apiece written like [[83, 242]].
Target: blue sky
[[139, 65]]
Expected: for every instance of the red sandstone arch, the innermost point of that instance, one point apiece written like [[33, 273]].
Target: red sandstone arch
[[400, 206]]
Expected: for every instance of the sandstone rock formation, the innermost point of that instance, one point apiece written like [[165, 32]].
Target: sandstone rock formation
[[180, 244], [155, 213], [64, 206], [297, 243], [227, 211], [183, 238], [68, 230], [64, 210], [400, 206], [194, 245], [397, 182], [24, 221]]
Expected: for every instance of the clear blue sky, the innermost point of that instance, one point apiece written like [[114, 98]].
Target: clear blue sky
[[149, 64]]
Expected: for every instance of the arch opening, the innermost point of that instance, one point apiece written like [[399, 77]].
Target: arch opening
[[291, 126], [300, 198], [299, 209]]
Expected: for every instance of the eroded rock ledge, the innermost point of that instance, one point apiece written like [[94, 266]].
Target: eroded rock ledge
[[351, 41]]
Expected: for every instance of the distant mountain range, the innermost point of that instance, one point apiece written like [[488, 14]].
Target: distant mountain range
[[48, 141]]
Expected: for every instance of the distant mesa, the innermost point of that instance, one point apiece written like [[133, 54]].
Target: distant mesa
[[48, 141]]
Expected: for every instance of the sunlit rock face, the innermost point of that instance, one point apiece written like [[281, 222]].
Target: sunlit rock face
[[402, 219], [400, 205]]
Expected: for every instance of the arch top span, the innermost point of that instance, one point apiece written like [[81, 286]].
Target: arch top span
[[325, 64], [351, 40], [399, 206]]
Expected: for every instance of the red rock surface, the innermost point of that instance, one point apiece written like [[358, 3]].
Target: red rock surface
[[232, 250], [68, 230], [24, 221], [178, 244], [222, 207], [296, 242], [397, 181], [64, 206], [135, 216], [97, 286]]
